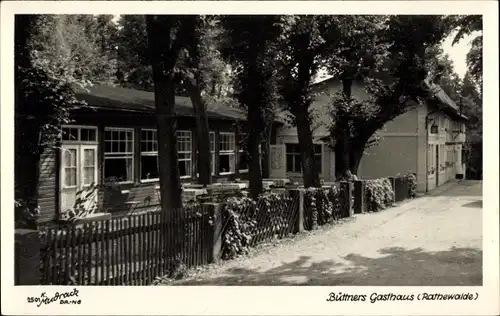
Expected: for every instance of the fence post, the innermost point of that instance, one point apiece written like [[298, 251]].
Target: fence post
[[359, 196], [392, 180], [346, 199], [215, 239], [298, 195], [27, 257]]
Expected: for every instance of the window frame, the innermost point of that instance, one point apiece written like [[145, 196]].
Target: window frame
[[148, 153], [228, 152], [241, 151], [320, 154], [212, 151], [124, 155], [190, 152], [78, 140]]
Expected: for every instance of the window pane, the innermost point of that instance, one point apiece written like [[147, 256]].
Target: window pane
[[185, 168], [69, 133], [89, 157], [70, 157], [69, 177], [226, 163], [88, 134], [149, 167], [107, 147], [119, 169], [297, 165], [88, 175]]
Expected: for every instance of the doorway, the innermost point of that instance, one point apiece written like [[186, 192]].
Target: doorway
[[78, 168]]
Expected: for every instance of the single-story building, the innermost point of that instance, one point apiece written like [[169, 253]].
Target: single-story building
[[113, 140]]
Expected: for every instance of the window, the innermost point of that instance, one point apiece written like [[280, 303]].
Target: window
[[212, 151], [243, 158], [118, 154], [70, 168], [293, 157], [149, 155], [441, 155], [79, 134], [227, 148], [430, 157], [184, 153]]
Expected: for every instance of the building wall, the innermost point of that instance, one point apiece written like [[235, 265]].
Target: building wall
[[397, 151], [327, 159], [320, 109], [447, 140], [111, 199], [48, 184]]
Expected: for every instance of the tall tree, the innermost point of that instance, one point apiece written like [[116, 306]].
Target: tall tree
[[358, 50], [469, 25], [396, 84], [53, 53], [306, 40], [166, 36], [134, 67], [252, 45], [201, 65]]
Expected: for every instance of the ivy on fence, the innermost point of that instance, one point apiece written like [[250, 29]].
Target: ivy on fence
[[249, 222], [322, 205], [379, 194]]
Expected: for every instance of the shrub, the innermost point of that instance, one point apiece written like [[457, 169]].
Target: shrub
[[412, 185], [245, 219], [379, 194], [323, 205]]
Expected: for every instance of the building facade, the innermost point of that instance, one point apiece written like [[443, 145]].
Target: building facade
[[426, 140], [113, 141]]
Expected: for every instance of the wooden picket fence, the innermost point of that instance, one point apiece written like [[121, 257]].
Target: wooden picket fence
[[133, 250]]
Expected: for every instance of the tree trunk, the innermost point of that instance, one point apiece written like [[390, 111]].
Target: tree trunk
[[164, 90], [309, 171], [355, 157], [255, 129], [202, 132], [342, 157], [265, 154]]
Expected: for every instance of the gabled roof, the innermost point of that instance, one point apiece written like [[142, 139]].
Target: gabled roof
[[122, 99], [447, 104]]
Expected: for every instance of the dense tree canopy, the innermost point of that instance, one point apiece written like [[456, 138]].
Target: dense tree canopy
[[252, 47]]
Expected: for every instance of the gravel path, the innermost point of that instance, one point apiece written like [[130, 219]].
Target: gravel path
[[432, 240]]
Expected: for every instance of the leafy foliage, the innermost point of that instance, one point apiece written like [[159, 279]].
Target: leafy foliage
[[468, 25], [252, 47], [322, 204], [412, 185], [388, 54], [249, 221], [379, 194], [53, 55]]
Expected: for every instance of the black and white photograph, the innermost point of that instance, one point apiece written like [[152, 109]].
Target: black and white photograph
[[165, 150]]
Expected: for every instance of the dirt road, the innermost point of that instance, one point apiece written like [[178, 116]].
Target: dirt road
[[432, 240]]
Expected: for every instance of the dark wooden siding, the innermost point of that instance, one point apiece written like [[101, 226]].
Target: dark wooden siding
[[48, 185], [112, 199]]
